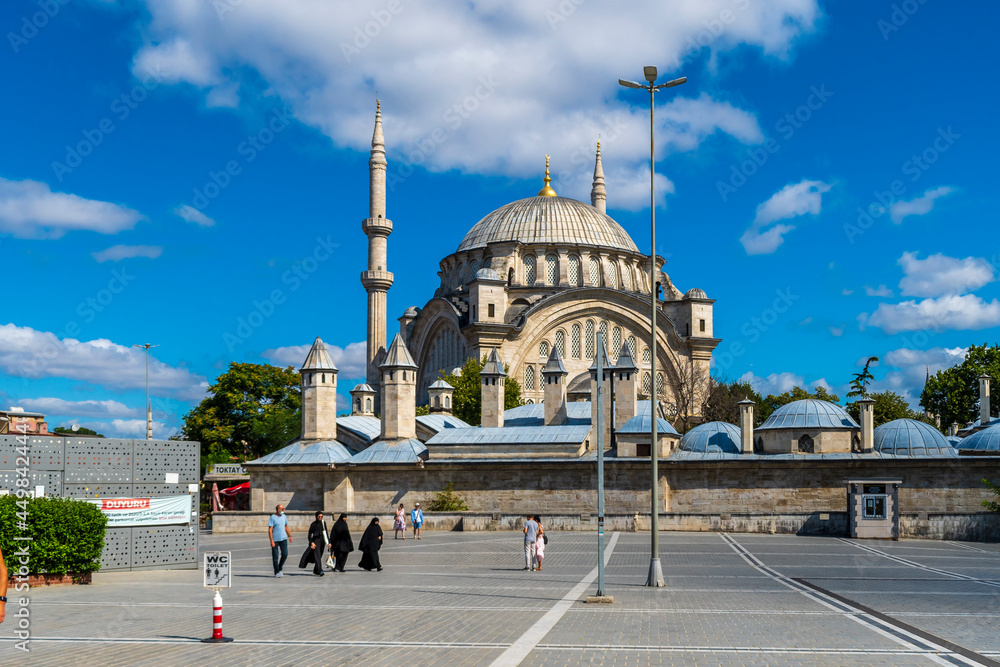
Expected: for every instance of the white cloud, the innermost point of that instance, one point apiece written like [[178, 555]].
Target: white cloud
[[881, 290], [938, 274], [350, 360], [846, 292], [25, 352], [792, 201], [129, 428], [910, 368], [191, 214], [117, 253], [90, 408], [486, 88], [29, 209], [836, 331], [966, 312], [918, 205]]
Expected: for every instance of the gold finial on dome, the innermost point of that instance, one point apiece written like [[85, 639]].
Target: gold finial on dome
[[547, 191]]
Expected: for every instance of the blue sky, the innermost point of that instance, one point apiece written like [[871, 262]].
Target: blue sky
[[167, 167]]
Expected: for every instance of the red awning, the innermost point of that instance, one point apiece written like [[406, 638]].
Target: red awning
[[234, 490]]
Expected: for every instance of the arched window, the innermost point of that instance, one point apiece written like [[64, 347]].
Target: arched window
[[575, 277], [473, 267], [437, 401], [631, 346], [806, 444], [604, 334], [612, 275], [551, 270], [616, 342], [627, 277], [591, 346], [647, 357], [574, 338], [659, 385], [510, 276], [561, 343], [647, 385], [595, 271], [322, 378], [529, 270], [543, 349], [529, 377], [447, 402], [357, 404], [529, 402], [368, 405]]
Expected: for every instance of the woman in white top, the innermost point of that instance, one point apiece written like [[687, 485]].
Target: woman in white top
[[399, 524]]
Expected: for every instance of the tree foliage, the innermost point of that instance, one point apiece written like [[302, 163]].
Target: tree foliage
[[859, 385], [953, 393], [447, 500], [467, 399], [770, 403], [67, 535], [79, 431], [887, 407], [251, 410], [722, 401], [992, 504]]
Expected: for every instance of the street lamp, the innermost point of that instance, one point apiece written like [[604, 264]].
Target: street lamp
[[655, 577], [149, 408]]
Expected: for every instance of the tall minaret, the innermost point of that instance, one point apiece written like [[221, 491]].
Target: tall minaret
[[598, 193], [377, 279]]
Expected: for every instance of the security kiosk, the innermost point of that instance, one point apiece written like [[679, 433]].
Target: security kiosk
[[873, 508]]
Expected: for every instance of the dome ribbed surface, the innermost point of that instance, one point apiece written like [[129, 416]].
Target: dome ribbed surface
[[548, 220], [903, 438], [644, 424], [987, 440], [809, 413], [712, 437]]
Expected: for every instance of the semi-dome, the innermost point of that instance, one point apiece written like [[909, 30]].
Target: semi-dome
[[548, 220], [487, 274], [809, 413], [695, 293], [986, 441], [712, 437], [903, 438]]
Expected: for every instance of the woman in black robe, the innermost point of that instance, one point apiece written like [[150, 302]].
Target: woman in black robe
[[341, 543], [370, 543], [316, 546]]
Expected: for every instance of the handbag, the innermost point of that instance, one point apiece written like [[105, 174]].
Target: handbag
[[545, 538]]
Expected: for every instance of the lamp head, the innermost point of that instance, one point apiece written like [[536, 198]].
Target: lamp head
[[629, 84], [650, 73]]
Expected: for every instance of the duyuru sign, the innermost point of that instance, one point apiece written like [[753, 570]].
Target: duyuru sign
[[160, 510]]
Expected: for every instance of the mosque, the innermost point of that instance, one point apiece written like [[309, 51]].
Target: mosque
[[529, 288]]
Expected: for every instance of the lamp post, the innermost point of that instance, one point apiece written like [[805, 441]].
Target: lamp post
[[655, 577], [149, 408]]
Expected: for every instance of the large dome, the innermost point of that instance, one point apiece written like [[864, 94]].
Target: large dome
[[548, 220], [808, 413]]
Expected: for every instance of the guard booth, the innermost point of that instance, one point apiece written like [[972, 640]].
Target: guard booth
[[873, 508]]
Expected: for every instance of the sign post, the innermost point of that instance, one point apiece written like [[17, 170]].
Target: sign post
[[218, 575]]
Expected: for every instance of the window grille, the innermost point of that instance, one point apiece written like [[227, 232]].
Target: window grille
[[529, 377], [543, 349], [529, 270], [575, 341], [612, 276], [551, 270], [595, 271], [590, 339], [616, 342], [561, 343], [574, 271]]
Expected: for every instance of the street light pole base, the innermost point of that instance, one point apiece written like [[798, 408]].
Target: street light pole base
[[655, 579]]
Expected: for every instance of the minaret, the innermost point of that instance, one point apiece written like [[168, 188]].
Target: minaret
[[377, 279], [598, 193], [319, 394]]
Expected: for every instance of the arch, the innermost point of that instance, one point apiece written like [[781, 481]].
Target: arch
[[543, 349], [368, 405], [806, 444], [510, 276], [529, 377], [575, 275], [574, 338], [604, 332], [595, 272], [437, 401], [447, 402], [529, 402], [322, 378], [561, 343], [591, 344], [357, 405], [551, 270], [529, 269], [758, 445]]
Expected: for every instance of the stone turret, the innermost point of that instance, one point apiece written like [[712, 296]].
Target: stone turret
[[363, 400], [439, 396], [377, 279], [626, 375], [493, 379], [746, 426], [598, 193], [984, 399], [399, 392], [866, 412], [319, 394], [606, 424], [554, 375]]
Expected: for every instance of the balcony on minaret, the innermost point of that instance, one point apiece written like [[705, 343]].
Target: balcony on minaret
[[376, 226], [377, 280]]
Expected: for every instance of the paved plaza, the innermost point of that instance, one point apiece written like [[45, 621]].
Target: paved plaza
[[458, 598]]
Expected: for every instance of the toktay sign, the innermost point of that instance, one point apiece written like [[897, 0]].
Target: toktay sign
[[145, 511]]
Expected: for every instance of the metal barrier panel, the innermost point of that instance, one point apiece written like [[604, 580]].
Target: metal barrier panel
[[43, 453], [155, 459], [94, 490], [156, 546], [117, 554], [93, 460]]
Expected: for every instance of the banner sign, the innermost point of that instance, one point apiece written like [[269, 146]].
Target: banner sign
[[218, 569], [227, 469], [144, 511]]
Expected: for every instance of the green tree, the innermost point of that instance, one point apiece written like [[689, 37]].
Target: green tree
[[722, 402], [448, 501], [859, 385], [252, 410], [770, 403], [888, 406], [79, 431], [953, 393], [992, 504], [467, 399], [422, 410]]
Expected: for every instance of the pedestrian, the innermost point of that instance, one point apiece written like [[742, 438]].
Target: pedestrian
[[540, 543], [370, 543], [399, 524], [530, 537], [277, 532], [3, 587], [417, 519], [317, 546], [341, 543]]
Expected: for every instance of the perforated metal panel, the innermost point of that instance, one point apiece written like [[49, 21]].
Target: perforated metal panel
[[117, 554], [152, 490], [97, 490], [154, 546], [43, 453], [98, 460], [155, 458]]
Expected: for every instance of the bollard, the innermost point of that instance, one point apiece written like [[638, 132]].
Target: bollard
[[217, 637]]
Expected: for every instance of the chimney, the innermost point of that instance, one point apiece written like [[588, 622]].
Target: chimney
[[319, 394], [608, 370], [399, 384], [867, 425], [554, 376], [439, 396], [626, 375], [953, 429], [984, 399], [493, 380], [746, 425]]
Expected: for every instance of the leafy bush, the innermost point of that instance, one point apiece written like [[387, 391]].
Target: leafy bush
[[448, 501], [67, 535], [995, 488]]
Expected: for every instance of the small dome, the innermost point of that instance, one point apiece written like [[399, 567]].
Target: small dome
[[440, 384], [487, 273], [809, 413], [986, 441], [695, 293], [363, 387], [910, 438], [412, 311], [712, 437], [644, 424]]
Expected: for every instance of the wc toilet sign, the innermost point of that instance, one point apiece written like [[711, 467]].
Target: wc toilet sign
[[218, 569]]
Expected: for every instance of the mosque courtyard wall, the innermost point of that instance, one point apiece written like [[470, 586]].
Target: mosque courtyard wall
[[938, 498]]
